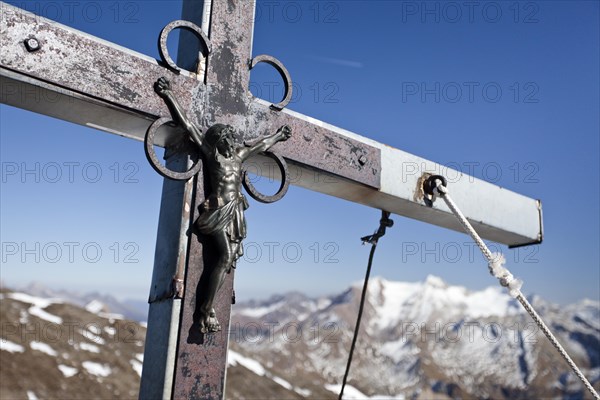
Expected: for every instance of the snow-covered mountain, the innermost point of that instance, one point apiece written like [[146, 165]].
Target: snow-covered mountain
[[424, 340]]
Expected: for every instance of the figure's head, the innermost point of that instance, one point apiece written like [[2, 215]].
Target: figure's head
[[220, 137]]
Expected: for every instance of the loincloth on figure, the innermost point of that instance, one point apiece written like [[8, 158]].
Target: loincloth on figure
[[228, 217]]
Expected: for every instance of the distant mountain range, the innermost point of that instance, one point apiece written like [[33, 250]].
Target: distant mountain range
[[425, 340], [136, 310]]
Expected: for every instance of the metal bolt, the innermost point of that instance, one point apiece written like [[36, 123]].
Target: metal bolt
[[32, 44], [362, 160]]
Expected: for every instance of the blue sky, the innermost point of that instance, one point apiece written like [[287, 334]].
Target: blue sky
[[506, 90]]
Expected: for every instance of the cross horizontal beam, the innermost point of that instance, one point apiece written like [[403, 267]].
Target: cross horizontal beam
[[108, 88], [109, 96], [498, 214]]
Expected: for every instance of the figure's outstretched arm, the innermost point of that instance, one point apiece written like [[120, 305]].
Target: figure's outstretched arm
[[163, 88], [282, 134]]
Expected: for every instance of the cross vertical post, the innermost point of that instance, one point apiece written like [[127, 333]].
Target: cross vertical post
[[164, 314], [201, 360], [185, 363]]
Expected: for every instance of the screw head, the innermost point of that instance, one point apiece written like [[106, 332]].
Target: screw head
[[32, 44], [362, 160]]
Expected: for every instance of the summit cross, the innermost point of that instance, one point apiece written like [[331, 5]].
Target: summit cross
[[101, 85]]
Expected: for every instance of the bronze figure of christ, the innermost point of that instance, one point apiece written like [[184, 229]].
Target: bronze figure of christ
[[222, 215]]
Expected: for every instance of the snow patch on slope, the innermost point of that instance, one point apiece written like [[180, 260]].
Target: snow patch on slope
[[95, 306], [38, 312], [67, 371], [90, 335], [352, 393], [261, 311], [89, 347], [97, 369], [235, 358], [31, 395], [11, 347], [137, 366], [43, 347], [37, 306]]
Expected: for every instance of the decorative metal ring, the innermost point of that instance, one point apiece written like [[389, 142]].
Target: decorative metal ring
[[164, 34], [153, 159], [283, 188], [285, 75]]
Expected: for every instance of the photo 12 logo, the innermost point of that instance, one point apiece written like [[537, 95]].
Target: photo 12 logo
[[468, 331], [11, 92], [490, 171], [291, 252], [69, 252], [68, 172], [291, 12], [91, 12], [470, 92], [289, 332], [315, 92], [470, 12], [462, 252], [72, 332]]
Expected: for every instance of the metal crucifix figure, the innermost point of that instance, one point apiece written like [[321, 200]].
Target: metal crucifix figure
[[222, 215]]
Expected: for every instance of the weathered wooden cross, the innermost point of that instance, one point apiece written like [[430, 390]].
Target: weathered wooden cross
[[101, 85]]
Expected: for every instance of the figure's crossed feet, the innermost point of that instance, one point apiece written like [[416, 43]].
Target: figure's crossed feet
[[209, 323]]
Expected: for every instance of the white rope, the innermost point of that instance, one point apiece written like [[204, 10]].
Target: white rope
[[497, 269]]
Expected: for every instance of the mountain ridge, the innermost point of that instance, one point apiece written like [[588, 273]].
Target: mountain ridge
[[430, 337], [418, 340]]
